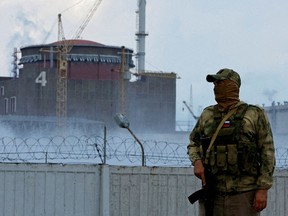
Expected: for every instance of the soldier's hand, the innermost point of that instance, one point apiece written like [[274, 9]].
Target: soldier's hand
[[199, 171], [260, 200]]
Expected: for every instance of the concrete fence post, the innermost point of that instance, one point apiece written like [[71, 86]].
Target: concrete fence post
[[105, 191]]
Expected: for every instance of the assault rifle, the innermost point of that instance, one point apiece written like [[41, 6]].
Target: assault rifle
[[206, 194]]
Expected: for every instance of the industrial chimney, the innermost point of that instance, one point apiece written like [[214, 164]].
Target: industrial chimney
[[141, 34]]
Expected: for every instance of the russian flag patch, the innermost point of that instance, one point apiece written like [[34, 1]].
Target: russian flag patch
[[226, 124]]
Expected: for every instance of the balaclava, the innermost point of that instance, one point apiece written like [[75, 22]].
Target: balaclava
[[226, 88], [226, 94]]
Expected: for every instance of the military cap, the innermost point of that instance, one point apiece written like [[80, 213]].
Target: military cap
[[225, 74]]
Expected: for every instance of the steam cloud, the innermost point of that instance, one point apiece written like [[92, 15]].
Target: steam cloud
[[27, 30], [270, 94]]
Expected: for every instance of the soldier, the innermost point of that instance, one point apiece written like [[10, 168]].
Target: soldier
[[240, 157]]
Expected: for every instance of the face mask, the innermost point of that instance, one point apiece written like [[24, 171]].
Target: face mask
[[226, 94]]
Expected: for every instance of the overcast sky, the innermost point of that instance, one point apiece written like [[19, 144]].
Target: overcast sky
[[189, 37]]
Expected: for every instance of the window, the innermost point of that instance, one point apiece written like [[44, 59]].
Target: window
[[13, 104], [6, 106], [2, 91]]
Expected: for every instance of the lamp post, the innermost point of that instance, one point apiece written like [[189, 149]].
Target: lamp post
[[123, 122]]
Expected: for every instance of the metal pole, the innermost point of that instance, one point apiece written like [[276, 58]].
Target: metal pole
[[46, 157], [105, 144], [141, 145]]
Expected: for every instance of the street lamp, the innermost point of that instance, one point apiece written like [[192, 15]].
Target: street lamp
[[123, 122]]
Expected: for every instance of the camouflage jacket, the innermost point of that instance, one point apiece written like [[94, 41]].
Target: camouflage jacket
[[255, 132]]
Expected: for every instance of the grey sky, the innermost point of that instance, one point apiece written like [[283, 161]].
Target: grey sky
[[189, 37]]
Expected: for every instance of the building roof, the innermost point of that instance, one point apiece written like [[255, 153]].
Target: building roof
[[80, 42]]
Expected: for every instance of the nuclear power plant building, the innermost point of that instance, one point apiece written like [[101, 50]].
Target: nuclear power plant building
[[98, 86]]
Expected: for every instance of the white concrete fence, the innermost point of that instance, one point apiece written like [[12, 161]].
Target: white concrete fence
[[102, 190]]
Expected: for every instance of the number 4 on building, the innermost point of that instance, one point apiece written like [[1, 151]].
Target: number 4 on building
[[41, 78]]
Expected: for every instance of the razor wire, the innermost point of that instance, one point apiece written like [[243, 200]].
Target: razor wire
[[97, 150]]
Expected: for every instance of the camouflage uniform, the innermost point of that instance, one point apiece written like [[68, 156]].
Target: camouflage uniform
[[254, 167]]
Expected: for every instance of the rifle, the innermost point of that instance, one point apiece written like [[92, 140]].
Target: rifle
[[206, 194]]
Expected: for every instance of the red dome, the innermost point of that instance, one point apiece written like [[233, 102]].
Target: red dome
[[80, 42]]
